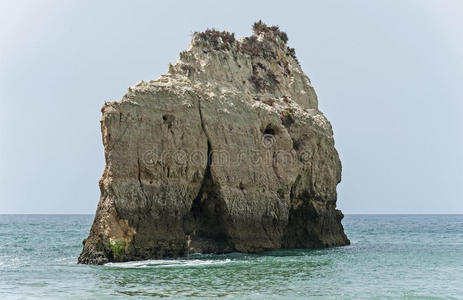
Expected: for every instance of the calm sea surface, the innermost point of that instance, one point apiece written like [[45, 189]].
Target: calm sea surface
[[391, 256]]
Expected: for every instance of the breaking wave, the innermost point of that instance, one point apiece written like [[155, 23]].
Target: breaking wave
[[164, 263]]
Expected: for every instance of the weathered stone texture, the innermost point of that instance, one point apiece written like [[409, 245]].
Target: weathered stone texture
[[226, 152]]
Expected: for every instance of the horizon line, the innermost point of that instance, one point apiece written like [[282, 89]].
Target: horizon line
[[346, 214]]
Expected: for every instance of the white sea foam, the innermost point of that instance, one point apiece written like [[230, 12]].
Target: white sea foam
[[167, 263]]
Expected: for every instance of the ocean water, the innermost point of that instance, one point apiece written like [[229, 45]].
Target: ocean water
[[391, 257]]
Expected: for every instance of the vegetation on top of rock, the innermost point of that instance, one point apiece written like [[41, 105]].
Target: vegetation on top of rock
[[251, 45], [292, 53], [219, 40], [188, 69], [224, 40], [254, 47], [261, 27]]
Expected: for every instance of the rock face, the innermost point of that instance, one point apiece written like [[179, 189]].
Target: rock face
[[226, 152]]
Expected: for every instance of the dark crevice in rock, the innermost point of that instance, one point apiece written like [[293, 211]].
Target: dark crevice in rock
[[206, 223], [208, 215], [139, 179], [269, 130], [143, 210], [169, 120]]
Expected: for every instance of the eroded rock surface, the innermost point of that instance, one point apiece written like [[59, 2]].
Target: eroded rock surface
[[226, 152]]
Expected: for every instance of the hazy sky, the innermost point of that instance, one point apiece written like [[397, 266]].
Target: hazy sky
[[389, 76]]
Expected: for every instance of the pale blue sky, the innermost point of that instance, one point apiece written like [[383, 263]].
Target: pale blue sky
[[389, 76]]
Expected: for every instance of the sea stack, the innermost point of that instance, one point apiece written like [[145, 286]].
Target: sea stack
[[226, 152]]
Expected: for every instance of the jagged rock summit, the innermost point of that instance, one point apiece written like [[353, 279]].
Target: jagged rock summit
[[226, 152]]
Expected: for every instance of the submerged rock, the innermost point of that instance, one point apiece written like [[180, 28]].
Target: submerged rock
[[226, 152]]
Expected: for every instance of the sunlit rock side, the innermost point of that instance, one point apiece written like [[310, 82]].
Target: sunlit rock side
[[226, 152]]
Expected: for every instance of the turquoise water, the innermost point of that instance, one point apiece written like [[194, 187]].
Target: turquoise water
[[402, 256]]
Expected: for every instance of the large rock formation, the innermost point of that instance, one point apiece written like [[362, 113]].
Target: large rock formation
[[226, 152]]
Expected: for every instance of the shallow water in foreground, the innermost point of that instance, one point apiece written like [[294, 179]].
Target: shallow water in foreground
[[391, 256]]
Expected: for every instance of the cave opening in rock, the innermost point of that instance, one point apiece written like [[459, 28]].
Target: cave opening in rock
[[269, 130], [208, 220]]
